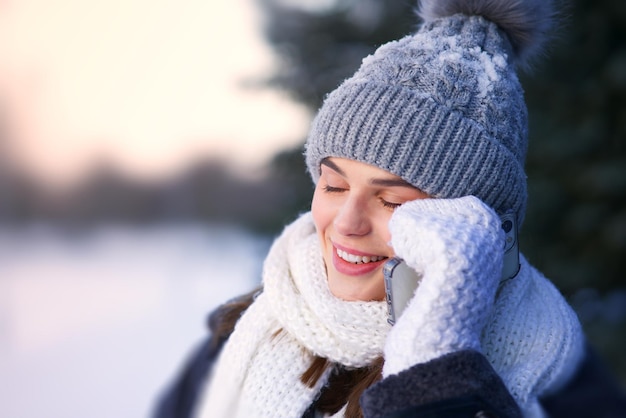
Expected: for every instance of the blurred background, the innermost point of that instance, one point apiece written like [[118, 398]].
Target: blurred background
[[150, 151]]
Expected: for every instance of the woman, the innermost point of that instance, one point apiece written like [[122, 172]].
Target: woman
[[415, 156]]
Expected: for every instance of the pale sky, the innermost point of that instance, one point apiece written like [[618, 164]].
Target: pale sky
[[146, 85]]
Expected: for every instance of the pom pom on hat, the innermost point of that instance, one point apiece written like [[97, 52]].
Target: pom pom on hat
[[526, 22], [443, 107]]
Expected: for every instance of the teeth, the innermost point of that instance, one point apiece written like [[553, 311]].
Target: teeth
[[357, 259]]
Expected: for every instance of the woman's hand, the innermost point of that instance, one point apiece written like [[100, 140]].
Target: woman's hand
[[457, 247]]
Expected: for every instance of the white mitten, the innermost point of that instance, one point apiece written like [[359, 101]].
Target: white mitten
[[456, 245]]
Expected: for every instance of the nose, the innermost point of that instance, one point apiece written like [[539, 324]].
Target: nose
[[352, 218]]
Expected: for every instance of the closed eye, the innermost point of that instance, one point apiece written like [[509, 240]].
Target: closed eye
[[331, 189], [389, 205]]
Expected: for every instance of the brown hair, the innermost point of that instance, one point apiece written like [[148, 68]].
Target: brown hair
[[222, 321], [345, 385]]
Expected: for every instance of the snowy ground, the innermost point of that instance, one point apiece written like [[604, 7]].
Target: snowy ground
[[94, 323]]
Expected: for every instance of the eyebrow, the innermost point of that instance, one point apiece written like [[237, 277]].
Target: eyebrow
[[395, 182]]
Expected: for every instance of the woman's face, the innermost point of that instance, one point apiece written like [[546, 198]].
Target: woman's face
[[351, 208]]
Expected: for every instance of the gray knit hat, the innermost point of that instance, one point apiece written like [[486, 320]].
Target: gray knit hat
[[442, 108]]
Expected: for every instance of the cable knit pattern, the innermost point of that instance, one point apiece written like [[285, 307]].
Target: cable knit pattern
[[456, 244], [443, 108], [295, 318]]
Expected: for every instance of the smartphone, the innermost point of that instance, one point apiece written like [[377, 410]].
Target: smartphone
[[401, 281], [511, 265]]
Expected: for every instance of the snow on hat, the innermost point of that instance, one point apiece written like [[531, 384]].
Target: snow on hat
[[442, 108]]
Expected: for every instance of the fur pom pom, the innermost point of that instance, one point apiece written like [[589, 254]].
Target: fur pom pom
[[526, 22]]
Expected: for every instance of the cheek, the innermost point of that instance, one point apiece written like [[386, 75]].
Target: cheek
[[320, 211], [383, 228]]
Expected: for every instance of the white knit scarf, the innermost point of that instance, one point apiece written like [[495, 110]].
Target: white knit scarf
[[533, 339], [294, 319]]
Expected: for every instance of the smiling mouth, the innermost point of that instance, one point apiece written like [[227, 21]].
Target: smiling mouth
[[359, 259]]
